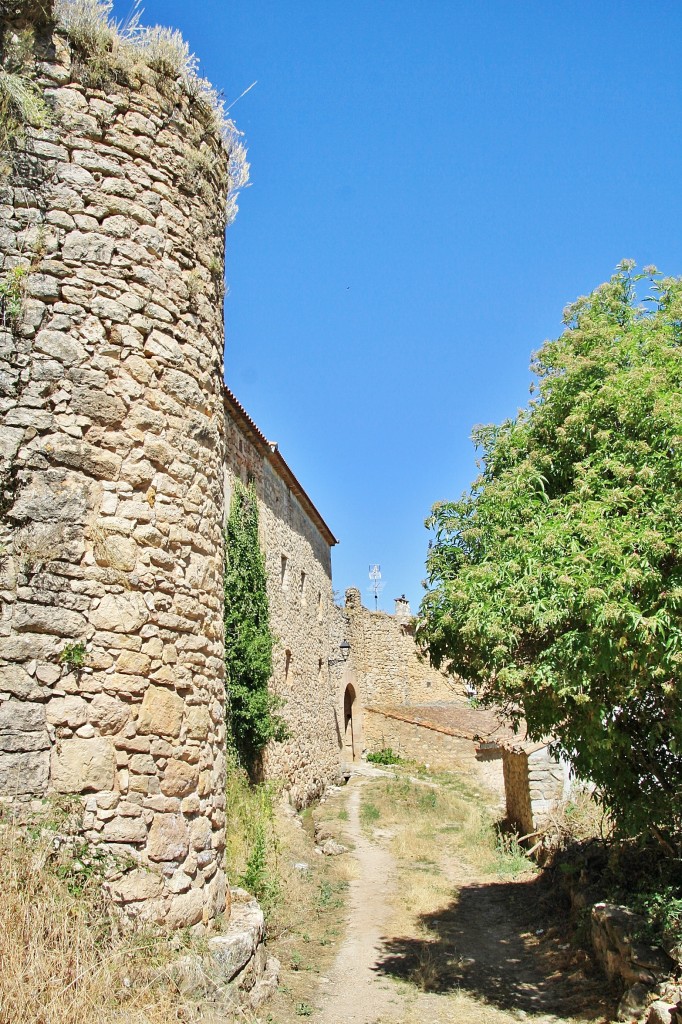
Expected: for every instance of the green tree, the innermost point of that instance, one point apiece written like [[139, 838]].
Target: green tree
[[252, 708], [555, 585]]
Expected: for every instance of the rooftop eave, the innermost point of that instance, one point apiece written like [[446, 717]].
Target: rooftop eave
[[270, 451]]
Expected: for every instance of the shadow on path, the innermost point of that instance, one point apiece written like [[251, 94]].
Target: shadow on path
[[486, 942]]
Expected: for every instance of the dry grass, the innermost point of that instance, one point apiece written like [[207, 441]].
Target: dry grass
[[579, 820], [64, 959], [428, 825], [307, 923], [452, 816], [117, 49]]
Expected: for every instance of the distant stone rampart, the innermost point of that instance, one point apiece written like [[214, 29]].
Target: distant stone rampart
[[111, 448], [387, 664]]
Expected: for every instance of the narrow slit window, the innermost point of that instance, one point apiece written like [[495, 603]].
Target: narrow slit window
[[287, 665], [303, 596], [283, 579]]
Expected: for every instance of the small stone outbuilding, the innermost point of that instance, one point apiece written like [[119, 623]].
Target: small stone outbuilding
[[535, 782]]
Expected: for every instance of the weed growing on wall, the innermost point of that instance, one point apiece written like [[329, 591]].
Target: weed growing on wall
[[73, 655], [113, 51], [12, 284], [252, 708], [21, 104]]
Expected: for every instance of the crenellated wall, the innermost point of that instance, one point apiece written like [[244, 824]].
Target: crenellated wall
[[112, 470]]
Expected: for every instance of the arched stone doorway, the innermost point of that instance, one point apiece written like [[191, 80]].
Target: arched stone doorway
[[349, 741]]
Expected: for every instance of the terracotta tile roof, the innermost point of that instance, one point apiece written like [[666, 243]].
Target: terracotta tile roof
[[460, 718]]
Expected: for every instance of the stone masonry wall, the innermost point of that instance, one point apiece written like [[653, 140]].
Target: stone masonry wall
[[298, 569], [535, 782], [519, 810], [386, 661], [439, 750], [111, 403]]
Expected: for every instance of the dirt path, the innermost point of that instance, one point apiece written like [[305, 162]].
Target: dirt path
[[353, 992], [490, 953]]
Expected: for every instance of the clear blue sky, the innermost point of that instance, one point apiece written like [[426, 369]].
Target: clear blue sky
[[431, 183]]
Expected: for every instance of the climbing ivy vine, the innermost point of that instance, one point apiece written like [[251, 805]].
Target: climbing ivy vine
[[253, 717]]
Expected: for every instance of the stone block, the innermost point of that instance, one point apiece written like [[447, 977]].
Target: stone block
[[80, 765], [133, 662], [109, 714], [245, 931], [16, 742], [85, 457], [16, 680], [142, 764], [41, 618], [98, 405], [633, 1003], [119, 682], [661, 1012], [161, 712], [179, 778], [48, 674], [125, 830], [168, 838], [186, 909], [198, 723], [60, 346], [24, 773], [88, 247], [18, 715], [120, 613], [10, 439], [137, 885], [201, 834], [56, 497], [71, 711]]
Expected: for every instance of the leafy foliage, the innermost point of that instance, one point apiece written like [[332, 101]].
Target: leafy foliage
[[252, 708], [384, 756], [73, 655], [555, 585], [12, 285]]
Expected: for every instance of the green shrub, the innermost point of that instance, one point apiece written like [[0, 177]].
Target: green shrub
[[384, 756]]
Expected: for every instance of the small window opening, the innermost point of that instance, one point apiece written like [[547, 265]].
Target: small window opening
[[303, 597], [287, 665], [283, 579]]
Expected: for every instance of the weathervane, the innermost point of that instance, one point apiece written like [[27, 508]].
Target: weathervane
[[376, 586]]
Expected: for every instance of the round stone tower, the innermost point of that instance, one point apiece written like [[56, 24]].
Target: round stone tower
[[112, 216]]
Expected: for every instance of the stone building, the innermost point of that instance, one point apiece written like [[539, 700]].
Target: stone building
[[535, 783], [119, 447], [297, 544]]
